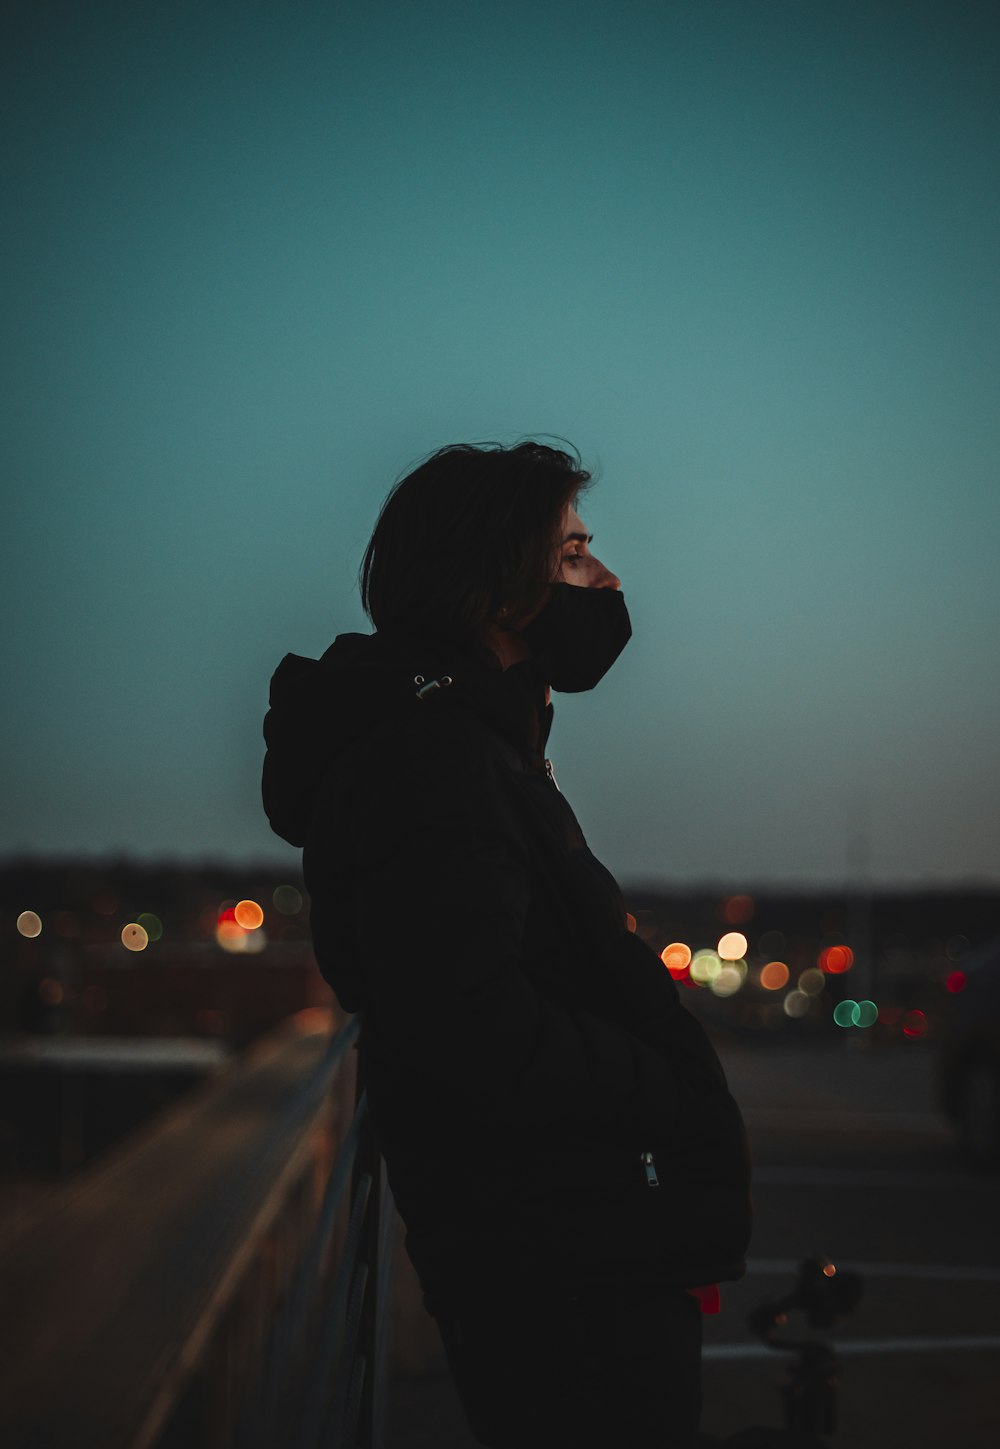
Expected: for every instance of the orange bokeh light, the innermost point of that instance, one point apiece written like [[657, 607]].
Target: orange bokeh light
[[774, 976], [677, 958], [630, 920], [248, 914], [732, 946], [835, 960]]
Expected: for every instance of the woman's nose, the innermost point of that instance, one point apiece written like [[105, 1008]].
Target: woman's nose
[[605, 579]]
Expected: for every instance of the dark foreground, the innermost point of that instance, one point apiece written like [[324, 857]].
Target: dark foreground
[[853, 1161]]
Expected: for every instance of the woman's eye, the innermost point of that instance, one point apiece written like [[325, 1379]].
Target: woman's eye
[[571, 558]]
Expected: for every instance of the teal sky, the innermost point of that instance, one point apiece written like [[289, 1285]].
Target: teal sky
[[258, 260]]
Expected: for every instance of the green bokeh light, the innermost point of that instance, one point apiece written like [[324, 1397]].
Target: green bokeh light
[[845, 1013], [151, 924], [867, 1013], [287, 900]]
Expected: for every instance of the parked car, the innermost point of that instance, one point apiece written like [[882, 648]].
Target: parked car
[[969, 1061]]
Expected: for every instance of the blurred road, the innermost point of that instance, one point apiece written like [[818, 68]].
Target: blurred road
[[853, 1161]]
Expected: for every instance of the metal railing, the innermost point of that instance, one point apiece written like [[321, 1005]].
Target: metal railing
[[221, 1282], [324, 1380]]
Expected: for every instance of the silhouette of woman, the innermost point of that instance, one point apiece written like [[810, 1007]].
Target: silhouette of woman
[[558, 1134]]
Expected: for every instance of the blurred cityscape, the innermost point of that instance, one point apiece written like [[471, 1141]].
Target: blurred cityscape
[[124, 983], [844, 1019]]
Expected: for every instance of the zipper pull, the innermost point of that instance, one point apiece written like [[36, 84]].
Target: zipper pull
[[651, 1178], [551, 774]]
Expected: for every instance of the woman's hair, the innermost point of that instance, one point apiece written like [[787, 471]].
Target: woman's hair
[[469, 532]]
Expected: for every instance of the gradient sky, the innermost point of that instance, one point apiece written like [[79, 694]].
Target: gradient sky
[[260, 259]]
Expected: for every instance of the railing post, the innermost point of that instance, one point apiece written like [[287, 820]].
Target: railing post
[[375, 1253]]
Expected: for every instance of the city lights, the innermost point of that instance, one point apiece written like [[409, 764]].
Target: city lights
[[705, 966], [29, 923], [50, 991], [855, 1013], [676, 957], [835, 960], [796, 1004], [151, 924], [134, 937], [774, 975], [867, 1014], [249, 915], [287, 900], [812, 981], [729, 979], [230, 935], [732, 946], [737, 910], [914, 1025]]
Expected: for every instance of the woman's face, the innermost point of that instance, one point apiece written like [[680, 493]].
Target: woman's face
[[573, 564], [576, 563]]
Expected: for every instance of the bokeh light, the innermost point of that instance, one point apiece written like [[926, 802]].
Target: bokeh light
[[796, 1004], [835, 960], [729, 979], [955, 982], [248, 914], [914, 1025], [29, 923], [845, 1013], [629, 921], [867, 1014], [705, 966], [732, 946], [50, 990], [812, 981], [774, 975], [230, 935], [287, 900], [676, 957], [151, 924], [134, 937], [737, 910]]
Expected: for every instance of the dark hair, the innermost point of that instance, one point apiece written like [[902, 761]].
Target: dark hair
[[468, 532]]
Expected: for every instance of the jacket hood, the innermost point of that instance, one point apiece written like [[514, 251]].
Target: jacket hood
[[321, 708]]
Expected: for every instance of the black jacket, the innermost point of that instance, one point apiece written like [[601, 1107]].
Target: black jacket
[[522, 1047]]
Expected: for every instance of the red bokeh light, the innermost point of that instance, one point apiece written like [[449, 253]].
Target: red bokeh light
[[914, 1025], [955, 981], [835, 960], [737, 909]]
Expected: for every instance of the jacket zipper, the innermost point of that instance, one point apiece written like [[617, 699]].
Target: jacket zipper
[[651, 1178]]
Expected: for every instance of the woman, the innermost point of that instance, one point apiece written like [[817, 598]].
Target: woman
[[557, 1130]]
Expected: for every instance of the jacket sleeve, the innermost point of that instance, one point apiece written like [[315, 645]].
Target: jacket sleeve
[[442, 894]]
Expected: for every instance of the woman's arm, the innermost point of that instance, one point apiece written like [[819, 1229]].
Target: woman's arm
[[442, 893]]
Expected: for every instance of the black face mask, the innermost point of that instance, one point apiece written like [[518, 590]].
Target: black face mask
[[578, 634]]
